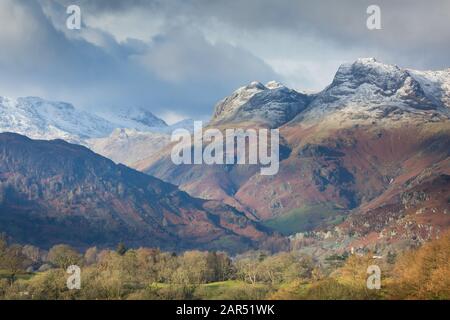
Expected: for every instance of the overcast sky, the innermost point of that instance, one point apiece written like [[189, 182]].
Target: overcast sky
[[177, 58]]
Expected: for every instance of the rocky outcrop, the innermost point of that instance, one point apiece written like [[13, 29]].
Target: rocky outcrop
[[270, 105]]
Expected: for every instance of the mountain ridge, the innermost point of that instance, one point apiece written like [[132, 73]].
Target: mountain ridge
[[55, 192], [347, 148], [44, 119]]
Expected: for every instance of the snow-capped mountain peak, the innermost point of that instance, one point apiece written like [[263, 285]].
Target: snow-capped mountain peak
[[272, 104], [274, 85], [41, 119], [435, 84], [369, 89], [370, 71], [256, 85], [242, 95], [134, 118]]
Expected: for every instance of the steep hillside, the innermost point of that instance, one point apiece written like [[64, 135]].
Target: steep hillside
[[128, 146], [55, 192], [373, 128]]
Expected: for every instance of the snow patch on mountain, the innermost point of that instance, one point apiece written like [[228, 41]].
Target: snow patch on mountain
[[41, 119], [435, 84], [134, 118], [229, 105], [187, 124], [128, 146]]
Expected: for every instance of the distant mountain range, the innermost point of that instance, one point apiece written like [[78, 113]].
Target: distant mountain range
[[41, 119], [365, 162], [119, 134]]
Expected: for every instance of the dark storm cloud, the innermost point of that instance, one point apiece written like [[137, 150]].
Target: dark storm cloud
[[180, 70], [414, 31], [184, 55]]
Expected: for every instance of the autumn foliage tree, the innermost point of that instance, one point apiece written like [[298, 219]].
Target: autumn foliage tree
[[12, 259], [63, 256], [424, 273]]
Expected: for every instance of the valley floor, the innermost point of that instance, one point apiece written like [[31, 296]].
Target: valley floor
[[151, 274]]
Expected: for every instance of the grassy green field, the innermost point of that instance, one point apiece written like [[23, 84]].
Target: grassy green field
[[7, 275], [305, 218], [231, 289]]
